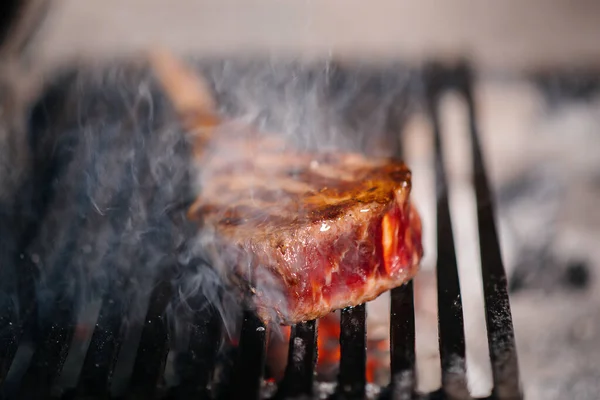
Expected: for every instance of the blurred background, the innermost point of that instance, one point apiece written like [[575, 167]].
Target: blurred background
[[512, 34], [538, 68]]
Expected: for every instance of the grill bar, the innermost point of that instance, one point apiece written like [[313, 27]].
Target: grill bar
[[497, 306], [9, 338], [302, 359], [450, 311], [109, 333], [15, 321], [52, 343], [402, 343], [353, 353], [194, 366], [250, 365], [102, 352], [154, 345]]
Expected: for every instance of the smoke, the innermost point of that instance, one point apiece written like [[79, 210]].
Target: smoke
[[15, 166], [313, 106], [320, 105], [102, 215]]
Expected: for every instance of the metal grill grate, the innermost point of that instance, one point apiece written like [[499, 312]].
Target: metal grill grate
[[243, 380]]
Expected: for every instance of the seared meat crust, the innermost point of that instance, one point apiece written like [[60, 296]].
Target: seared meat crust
[[326, 231]]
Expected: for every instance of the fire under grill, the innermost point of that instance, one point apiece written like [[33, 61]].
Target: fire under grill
[[43, 350]]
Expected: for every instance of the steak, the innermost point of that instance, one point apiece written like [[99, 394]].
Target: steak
[[307, 232]]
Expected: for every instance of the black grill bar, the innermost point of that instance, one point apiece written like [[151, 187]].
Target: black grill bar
[[497, 306], [194, 367], [52, 342], [450, 311], [402, 343], [16, 320], [154, 345], [9, 338], [102, 352], [108, 336], [250, 365], [353, 353], [302, 359], [501, 338]]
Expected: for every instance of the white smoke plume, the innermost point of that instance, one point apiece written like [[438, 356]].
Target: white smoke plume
[[113, 176]]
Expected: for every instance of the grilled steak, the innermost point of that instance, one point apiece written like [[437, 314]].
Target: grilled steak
[[309, 232]]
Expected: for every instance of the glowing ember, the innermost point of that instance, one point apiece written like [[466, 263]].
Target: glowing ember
[[328, 342], [82, 331], [378, 359], [277, 353]]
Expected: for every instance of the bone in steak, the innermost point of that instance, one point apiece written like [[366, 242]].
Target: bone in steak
[[309, 232]]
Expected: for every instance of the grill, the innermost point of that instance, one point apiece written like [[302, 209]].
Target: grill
[[45, 348]]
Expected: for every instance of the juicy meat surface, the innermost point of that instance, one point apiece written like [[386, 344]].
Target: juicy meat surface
[[310, 232]]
